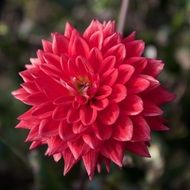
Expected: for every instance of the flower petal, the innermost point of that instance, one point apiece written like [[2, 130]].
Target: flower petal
[[123, 129], [119, 93], [110, 114], [96, 39], [77, 147], [114, 151], [60, 44], [102, 132], [69, 161], [78, 127], [43, 110], [160, 95], [109, 77], [65, 131], [73, 115], [90, 162], [151, 109], [99, 104], [137, 85], [139, 63], [103, 92], [118, 51], [154, 67], [141, 130], [132, 105], [107, 64], [48, 128], [125, 73], [95, 59], [91, 140], [60, 112], [134, 48], [87, 115], [139, 148], [157, 123]]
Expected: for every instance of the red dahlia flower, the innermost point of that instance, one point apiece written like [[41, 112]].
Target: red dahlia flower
[[93, 97]]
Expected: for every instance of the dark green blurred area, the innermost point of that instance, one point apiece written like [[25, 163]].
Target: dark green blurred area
[[165, 27]]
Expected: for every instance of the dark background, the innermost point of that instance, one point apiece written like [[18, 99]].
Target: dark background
[[165, 27]]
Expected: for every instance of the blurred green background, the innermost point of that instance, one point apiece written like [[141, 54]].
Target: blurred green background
[[165, 27]]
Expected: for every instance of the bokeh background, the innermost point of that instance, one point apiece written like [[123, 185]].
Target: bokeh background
[[165, 27]]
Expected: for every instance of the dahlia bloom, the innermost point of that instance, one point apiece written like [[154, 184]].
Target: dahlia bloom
[[93, 97]]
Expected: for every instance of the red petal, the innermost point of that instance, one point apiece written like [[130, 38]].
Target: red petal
[[114, 151], [20, 94], [109, 77], [47, 46], [73, 115], [160, 95], [153, 82], [132, 105], [134, 48], [87, 115], [26, 115], [103, 92], [96, 39], [63, 100], [95, 59], [78, 46], [138, 85], [60, 44], [139, 148], [107, 64], [35, 144], [110, 41], [33, 135], [139, 63], [123, 129], [118, 51], [91, 140], [35, 99], [110, 114], [48, 128], [90, 162], [57, 157], [43, 110], [76, 147], [130, 37], [102, 132], [156, 123], [68, 30], [119, 93], [52, 59], [65, 131], [69, 161], [50, 70], [99, 104], [26, 75], [79, 128], [109, 28], [125, 73], [94, 26], [30, 87], [154, 67], [150, 109], [60, 112], [141, 130]]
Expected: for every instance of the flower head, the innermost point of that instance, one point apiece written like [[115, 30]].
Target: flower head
[[93, 96]]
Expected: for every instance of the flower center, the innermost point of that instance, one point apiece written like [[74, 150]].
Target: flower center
[[82, 84]]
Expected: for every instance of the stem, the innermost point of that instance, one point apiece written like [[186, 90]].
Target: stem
[[122, 16]]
